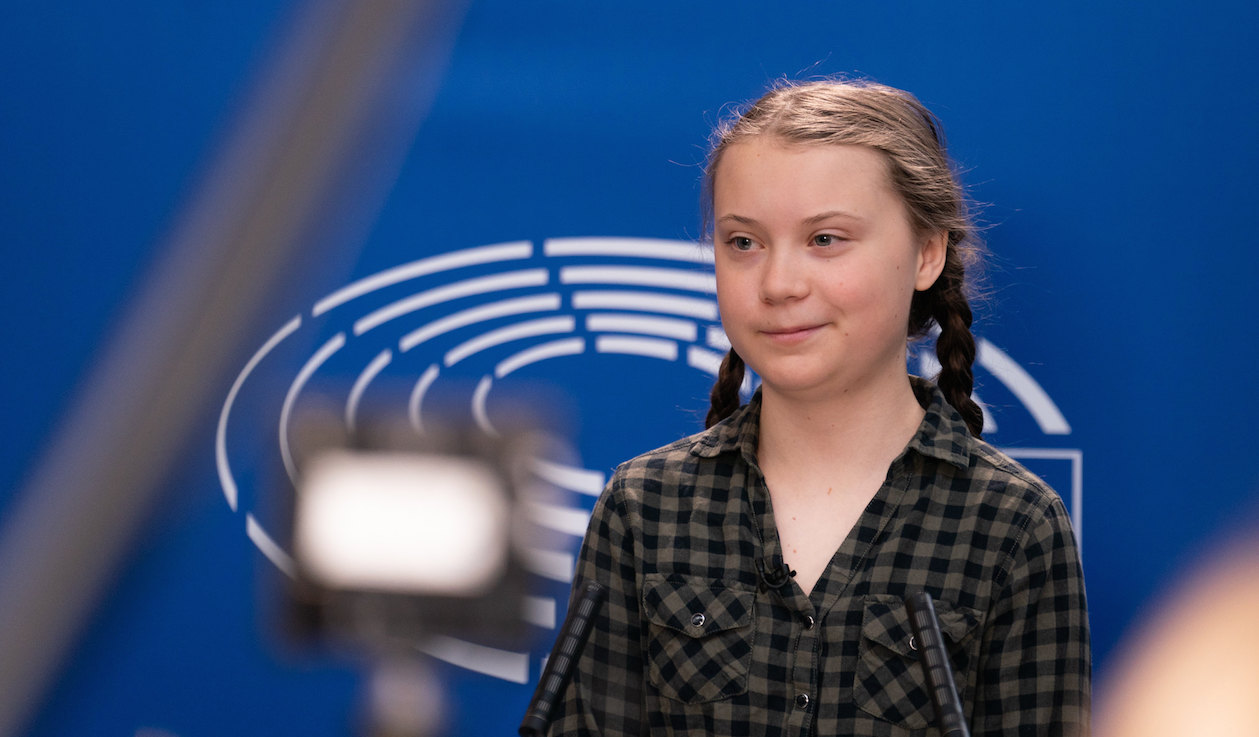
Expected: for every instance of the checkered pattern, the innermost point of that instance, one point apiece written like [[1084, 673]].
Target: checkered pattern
[[689, 645]]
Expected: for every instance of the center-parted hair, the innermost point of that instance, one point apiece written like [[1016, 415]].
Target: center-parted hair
[[894, 123]]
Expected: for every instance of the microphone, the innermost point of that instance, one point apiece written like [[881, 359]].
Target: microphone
[[774, 578], [935, 664], [563, 658]]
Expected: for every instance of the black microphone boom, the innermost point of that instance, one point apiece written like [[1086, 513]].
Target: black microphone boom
[[563, 658], [935, 664]]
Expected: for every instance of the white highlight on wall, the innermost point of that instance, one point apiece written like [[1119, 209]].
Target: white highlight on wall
[[377, 365], [539, 353], [469, 288], [519, 331], [415, 269], [308, 370], [641, 275], [664, 350], [505, 308], [220, 436], [629, 247]]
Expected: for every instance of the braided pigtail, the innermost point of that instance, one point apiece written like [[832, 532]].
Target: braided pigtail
[[724, 399], [946, 303]]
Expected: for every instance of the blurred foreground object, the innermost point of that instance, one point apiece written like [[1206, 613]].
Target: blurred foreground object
[[319, 142], [1193, 669], [398, 539]]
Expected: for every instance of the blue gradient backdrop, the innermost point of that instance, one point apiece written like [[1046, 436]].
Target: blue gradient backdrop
[[1113, 146]]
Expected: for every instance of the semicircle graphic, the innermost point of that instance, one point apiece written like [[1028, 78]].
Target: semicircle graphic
[[458, 326]]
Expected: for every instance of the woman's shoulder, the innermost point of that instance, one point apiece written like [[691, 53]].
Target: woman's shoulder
[[1008, 498], [680, 453], [728, 436], [988, 477], [993, 469]]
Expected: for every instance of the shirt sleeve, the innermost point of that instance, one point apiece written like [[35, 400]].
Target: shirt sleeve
[[1035, 669], [605, 694]]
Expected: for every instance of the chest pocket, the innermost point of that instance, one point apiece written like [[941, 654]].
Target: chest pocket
[[699, 637], [890, 683]]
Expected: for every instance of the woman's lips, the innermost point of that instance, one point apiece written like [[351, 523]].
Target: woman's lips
[[791, 335]]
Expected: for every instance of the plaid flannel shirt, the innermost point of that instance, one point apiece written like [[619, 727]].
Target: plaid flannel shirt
[[690, 643]]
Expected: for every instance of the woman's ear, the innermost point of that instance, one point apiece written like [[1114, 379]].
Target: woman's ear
[[931, 260]]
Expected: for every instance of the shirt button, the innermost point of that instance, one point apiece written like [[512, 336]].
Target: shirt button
[[808, 622], [697, 619], [802, 700]]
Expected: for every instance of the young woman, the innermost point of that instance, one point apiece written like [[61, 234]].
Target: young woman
[[756, 572]]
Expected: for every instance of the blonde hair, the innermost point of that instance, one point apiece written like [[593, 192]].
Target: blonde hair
[[894, 123]]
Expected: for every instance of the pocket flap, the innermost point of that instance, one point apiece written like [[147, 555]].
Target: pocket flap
[[886, 622], [697, 607]]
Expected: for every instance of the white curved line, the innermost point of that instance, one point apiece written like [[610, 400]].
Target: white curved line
[[521, 305], [554, 349], [704, 360], [505, 664], [311, 366], [579, 480], [417, 396], [647, 276], [717, 339], [929, 368], [269, 547], [220, 438], [710, 363], [635, 247], [665, 327], [562, 519], [444, 262], [518, 331], [377, 365], [1021, 383], [482, 285], [703, 309], [550, 564], [990, 422], [478, 406], [540, 611], [665, 350]]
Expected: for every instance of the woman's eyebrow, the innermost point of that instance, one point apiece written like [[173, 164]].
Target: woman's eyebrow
[[815, 219], [811, 220], [740, 219]]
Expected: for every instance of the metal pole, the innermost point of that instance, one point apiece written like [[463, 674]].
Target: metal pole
[[317, 112]]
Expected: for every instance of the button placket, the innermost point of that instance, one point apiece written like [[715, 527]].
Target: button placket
[[805, 665]]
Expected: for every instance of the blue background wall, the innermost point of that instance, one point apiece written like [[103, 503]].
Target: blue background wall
[[1114, 148]]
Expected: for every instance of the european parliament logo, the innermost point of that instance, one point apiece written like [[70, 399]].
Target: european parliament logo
[[624, 331]]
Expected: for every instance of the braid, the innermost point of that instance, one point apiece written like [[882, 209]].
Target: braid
[[724, 399], [955, 346]]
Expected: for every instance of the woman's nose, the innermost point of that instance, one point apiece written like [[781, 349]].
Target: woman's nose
[[785, 277]]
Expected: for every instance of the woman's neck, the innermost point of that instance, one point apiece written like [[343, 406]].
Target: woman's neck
[[863, 427]]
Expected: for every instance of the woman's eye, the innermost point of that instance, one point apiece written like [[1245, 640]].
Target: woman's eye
[[742, 243], [825, 239]]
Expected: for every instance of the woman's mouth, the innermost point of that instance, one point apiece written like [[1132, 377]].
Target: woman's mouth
[[792, 334]]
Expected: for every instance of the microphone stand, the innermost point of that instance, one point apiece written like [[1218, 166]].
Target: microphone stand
[[563, 660], [935, 664]]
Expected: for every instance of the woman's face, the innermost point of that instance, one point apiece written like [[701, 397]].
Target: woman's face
[[816, 265]]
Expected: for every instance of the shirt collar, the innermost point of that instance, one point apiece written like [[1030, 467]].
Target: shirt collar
[[943, 433]]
